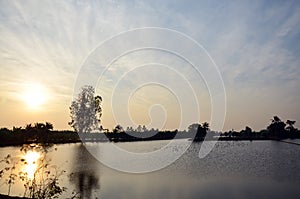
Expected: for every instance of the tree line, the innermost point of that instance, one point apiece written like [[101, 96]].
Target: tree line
[[44, 133], [36, 133], [86, 112]]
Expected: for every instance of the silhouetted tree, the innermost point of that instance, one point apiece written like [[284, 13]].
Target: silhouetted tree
[[139, 128], [16, 129], [4, 130], [290, 128], [129, 129], [248, 130], [277, 127], [205, 126], [28, 127], [86, 111], [118, 129], [39, 126], [200, 130], [193, 128], [144, 128], [48, 126]]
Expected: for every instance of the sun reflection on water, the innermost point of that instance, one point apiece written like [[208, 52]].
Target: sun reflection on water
[[31, 158]]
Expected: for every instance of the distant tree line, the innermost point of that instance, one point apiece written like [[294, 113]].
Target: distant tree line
[[277, 129], [35, 133], [86, 111], [44, 133]]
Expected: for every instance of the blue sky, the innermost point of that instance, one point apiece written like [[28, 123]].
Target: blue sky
[[255, 44]]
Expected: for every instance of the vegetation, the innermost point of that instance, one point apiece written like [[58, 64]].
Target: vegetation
[[86, 111], [277, 129], [39, 178], [45, 181], [44, 133], [37, 133]]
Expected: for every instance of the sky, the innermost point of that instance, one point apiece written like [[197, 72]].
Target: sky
[[47, 46]]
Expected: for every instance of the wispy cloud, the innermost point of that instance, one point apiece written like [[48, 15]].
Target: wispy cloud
[[255, 44]]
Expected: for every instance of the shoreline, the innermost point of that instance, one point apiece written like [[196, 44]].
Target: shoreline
[[148, 139]]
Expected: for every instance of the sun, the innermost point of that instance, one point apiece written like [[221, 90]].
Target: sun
[[35, 95]]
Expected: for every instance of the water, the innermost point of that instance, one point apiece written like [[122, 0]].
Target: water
[[240, 169]]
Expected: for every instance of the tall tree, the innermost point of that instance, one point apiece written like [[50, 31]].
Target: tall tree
[[86, 111], [277, 127]]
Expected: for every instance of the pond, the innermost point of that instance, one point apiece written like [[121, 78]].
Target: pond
[[233, 169]]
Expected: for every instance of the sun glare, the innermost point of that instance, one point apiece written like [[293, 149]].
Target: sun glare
[[31, 158], [34, 95]]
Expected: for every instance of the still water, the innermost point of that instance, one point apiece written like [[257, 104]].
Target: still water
[[240, 169]]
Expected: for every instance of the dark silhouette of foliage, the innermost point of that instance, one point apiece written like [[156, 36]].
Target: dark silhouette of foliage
[[200, 130], [44, 133], [37, 133], [277, 127], [290, 128], [118, 129], [44, 182]]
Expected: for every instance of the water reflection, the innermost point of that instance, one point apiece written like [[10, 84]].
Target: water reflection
[[85, 174], [260, 169], [29, 173], [31, 163]]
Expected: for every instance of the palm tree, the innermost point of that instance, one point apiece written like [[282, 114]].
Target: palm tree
[[49, 126], [205, 125], [28, 127], [277, 127], [276, 119], [39, 126], [290, 127]]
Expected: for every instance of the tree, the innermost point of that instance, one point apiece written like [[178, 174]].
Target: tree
[[45, 179], [290, 128], [129, 129], [200, 130], [277, 127], [86, 111], [139, 128], [48, 126], [39, 127], [28, 127], [193, 128], [144, 128], [248, 130], [205, 126], [118, 129]]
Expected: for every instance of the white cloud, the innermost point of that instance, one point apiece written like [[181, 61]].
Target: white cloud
[[253, 43]]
